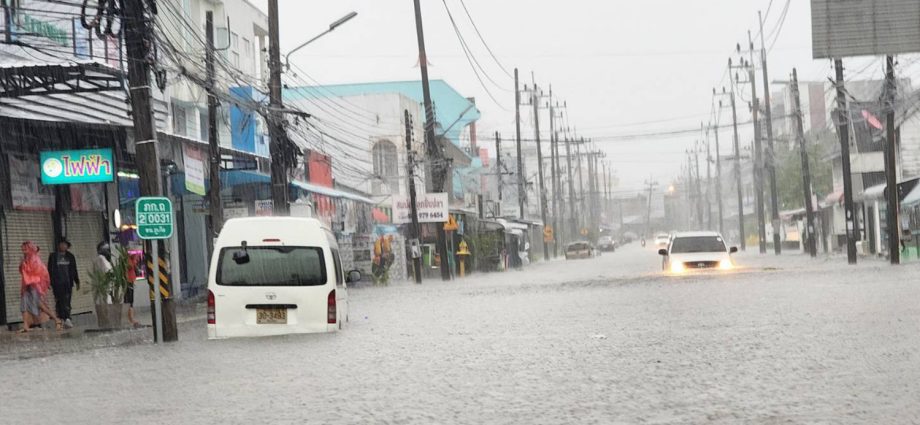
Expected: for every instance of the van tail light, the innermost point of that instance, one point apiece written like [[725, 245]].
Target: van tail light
[[330, 312], [211, 316]]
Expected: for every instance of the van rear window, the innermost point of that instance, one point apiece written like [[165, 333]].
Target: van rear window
[[272, 266]]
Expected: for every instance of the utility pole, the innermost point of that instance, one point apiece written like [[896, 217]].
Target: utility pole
[[278, 143], [771, 159], [699, 186], [520, 157], [737, 146], [554, 155], [214, 203], [535, 99], [438, 167], [758, 154], [891, 165], [137, 27], [648, 212], [413, 207], [806, 173], [581, 182], [708, 183], [571, 180], [843, 131], [715, 130], [499, 172]]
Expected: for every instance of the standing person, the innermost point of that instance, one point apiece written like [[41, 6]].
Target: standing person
[[129, 291], [35, 283], [103, 261], [62, 265]]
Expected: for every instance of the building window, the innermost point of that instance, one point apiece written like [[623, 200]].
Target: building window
[[180, 125], [203, 125], [386, 163]]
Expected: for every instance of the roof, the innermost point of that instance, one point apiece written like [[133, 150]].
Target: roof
[[453, 110], [696, 234]]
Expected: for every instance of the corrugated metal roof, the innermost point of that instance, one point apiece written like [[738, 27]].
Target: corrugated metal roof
[[842, 29]]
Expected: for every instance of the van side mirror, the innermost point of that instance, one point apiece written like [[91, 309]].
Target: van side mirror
[[663, 252], [733, 249], [242, 256], [353, 276]]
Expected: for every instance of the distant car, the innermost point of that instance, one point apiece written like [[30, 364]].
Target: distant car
[[662, 240], [697, 251], [607, 243], [576, 250]]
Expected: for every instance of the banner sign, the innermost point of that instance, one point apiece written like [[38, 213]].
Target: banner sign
[[77, 166], [194, 170], [25, 186], [432, 208]]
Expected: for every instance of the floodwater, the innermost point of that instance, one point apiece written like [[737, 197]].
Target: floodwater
[[604, 340]]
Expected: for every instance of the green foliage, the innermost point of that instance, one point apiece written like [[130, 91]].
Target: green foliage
[[113, 283], [789, 169]]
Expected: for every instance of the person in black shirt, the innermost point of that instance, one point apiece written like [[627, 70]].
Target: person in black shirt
[[62, 266]]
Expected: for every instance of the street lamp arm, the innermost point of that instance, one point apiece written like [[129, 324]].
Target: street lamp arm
[[332, 26]]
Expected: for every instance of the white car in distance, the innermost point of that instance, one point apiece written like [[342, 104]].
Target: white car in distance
[[692, 251]]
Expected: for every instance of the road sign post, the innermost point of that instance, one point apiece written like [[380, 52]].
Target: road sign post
[[154, 217]]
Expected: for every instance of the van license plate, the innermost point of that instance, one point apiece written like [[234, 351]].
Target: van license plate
[[271, 316]]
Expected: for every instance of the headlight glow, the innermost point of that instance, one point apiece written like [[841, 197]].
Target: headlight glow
[[726, 265], [677, 267]]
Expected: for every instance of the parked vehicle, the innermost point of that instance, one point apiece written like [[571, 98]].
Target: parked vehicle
[[607, 243], [276, 275], [697, 251], [580, 249]]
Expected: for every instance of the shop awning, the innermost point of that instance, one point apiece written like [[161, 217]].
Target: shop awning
[[235, 178]]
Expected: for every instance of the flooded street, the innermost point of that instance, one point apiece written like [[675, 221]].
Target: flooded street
[[605, 340]]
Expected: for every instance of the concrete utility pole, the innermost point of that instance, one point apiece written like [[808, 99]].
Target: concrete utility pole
[[554, 175], [715, 130], [214, 201], [137, 27], [535, 99], [498, 167], [758, 153], [843, 131], [651, 184], [708, 180], [581, 183], [413, 207], [699, 185], [737, 145], [891, 165], [573, 228], [520, 156], [810, 245], [771, 158], [278, 135], [438, 166]]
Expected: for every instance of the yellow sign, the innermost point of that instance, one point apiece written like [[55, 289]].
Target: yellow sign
[[451, 224], [464, 249], [584, 231], [548, 234]]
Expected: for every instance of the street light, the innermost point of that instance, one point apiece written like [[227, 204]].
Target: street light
[[332, 26]]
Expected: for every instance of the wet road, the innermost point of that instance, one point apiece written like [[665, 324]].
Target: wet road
[[606, 340]]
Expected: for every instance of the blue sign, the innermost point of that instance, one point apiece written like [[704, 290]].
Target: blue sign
[[78, 166]]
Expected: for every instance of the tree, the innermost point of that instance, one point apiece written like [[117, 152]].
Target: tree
[[819, 144]]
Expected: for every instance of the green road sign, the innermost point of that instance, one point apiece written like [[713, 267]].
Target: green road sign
[[154, 218]]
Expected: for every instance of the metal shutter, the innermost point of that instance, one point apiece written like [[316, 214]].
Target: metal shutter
[[84, 231], [18, 227]]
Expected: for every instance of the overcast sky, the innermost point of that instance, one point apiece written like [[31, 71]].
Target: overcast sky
[[623, 67]]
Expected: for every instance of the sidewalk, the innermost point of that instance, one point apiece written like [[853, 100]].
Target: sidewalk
[[84, 336]]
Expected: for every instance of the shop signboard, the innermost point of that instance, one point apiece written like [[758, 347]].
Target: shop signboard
[[194, 170], [77, 166], [432, 208]]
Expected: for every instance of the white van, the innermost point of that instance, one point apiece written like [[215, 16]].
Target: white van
[[276, 275]]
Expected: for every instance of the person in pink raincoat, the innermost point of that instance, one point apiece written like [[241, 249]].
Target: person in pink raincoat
[[35, 283]]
